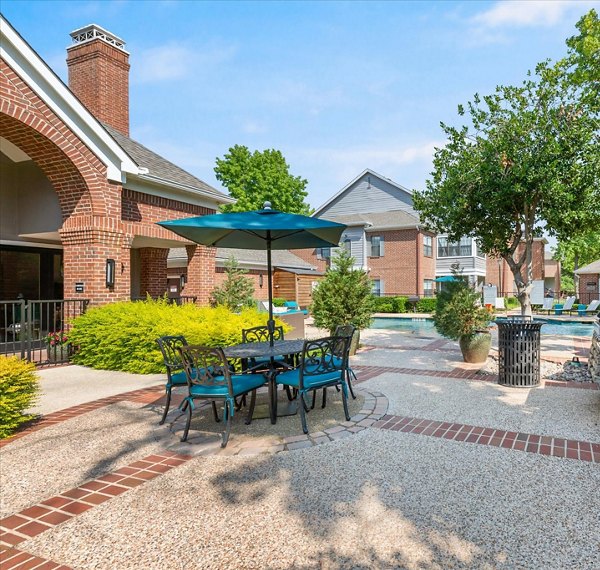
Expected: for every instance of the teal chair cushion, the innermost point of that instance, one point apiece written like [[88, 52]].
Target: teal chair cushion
[[292, 378], [178, 379], [242, 383]]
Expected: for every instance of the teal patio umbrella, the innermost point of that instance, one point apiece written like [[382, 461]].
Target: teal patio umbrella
[[265, 229], [446, 279]]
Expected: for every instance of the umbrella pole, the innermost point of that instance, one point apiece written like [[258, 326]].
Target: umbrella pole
[[270, 322]]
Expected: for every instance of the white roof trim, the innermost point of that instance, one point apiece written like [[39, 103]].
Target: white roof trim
[[175, 190], [21, 57], [345, 188]]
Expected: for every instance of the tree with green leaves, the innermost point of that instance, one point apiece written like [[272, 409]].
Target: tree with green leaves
[[528, 163], [343, 296], [237, 291], [254, 178], [577, 252]]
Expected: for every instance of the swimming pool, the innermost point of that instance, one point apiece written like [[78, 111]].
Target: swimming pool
[[425, 326]]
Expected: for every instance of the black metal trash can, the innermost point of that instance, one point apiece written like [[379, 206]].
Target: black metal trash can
[[519, 352]]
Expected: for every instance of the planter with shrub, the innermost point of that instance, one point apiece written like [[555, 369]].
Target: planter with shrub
[[459, 316], [18, 392]]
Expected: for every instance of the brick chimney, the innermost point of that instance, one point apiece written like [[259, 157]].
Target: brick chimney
[[99, 75]]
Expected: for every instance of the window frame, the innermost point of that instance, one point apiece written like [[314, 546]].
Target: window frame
[[428, 247]]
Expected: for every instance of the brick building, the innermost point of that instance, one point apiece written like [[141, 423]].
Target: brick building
[[589, 282], [384, 236], [79, 197]]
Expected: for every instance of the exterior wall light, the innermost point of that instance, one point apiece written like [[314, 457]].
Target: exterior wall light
[[110, 272]]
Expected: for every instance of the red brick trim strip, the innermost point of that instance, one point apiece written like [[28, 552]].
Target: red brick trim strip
[[531, 443], [367, 372], [39, 518], [141, 395], [11, 558]]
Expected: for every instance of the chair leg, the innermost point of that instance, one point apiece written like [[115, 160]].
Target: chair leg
[[303, 413], [166, 411], [215, 412], [314, 399], [187, 425], [304, 404], [351, 374], [290, 396], [227, 417], [251, 409], [345, 402]]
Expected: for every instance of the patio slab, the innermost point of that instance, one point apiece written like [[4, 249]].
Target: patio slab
[[417, 359], [375, 500], [560, 412]]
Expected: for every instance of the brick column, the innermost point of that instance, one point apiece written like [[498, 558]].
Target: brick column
[[85, 251], [201, 273], [153, 274]]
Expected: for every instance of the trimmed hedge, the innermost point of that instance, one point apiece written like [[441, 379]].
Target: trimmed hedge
[[426, 305], [18, 391], [122, 336], [390, 304]]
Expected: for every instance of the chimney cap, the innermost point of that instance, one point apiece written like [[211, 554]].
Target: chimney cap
[[95, 32]]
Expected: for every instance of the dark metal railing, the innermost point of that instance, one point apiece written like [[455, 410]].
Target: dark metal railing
[[26, 325]]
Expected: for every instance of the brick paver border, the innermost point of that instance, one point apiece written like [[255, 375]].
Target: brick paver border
[[531, 443], [39, 518], [12, 558]]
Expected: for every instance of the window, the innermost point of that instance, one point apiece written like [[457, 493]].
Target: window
[[377, 289], [428, 287], [376, 249], [427, 246], [461, 248], [324, 253]]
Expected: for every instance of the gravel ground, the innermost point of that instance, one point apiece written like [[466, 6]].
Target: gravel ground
[[62, 456], [560, 412], [418, 359], [377, 500], [568, 372]]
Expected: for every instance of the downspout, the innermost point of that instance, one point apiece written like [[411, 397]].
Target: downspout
[[418, 264]]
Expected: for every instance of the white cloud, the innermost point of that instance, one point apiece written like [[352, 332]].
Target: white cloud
[[529, 13], [176, 61], [254, 127]]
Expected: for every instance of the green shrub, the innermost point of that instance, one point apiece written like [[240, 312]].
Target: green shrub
[[426, 305], [383, 305], [278, 302], [511, 302], [122, 336], [18, 391], [400, 304]]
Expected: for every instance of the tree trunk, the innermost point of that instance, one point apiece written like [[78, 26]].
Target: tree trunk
[[576, 275]]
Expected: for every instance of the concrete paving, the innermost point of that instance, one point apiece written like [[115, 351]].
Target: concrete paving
[[66, 386]]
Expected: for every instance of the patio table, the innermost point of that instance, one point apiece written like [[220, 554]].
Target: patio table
[[247, 350]]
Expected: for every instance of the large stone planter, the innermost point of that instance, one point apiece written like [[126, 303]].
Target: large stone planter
[[475, 348], [58, 353]]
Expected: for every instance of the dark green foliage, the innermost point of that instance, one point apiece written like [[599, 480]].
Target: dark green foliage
[[343, 296], [18, 392], [122, 336], [258, 177], [237, 291], [389, 304], [527, 161], [458, 311], [278, 302], [426, 305]]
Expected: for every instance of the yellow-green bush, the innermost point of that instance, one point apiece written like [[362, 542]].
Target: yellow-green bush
[[122, 336], [18, 391]]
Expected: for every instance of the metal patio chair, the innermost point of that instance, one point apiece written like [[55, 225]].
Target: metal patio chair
[[323, 363], [169, 347], [209, 377]]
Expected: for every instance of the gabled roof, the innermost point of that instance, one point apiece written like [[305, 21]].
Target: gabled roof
[[160, 168], [395, 219], [591, 268], [126, 161], [345, 188]]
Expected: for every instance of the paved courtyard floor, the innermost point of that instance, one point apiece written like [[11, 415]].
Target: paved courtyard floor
[[439, 467]]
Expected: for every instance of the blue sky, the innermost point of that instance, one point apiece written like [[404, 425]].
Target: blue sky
[[336, 86]]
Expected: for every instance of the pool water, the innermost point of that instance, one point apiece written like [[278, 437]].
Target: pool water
[[425, 326]]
